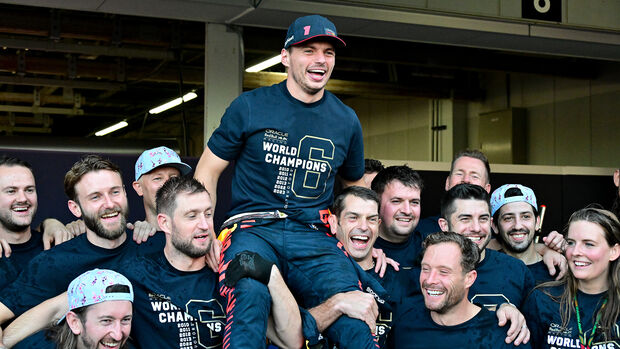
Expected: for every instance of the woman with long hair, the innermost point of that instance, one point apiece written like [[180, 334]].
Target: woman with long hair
[[582, 310]]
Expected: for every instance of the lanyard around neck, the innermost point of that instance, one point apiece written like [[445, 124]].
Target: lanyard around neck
[[582, 338]]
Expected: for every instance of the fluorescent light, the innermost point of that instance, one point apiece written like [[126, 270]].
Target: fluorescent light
[[264, 65], [112, 128], [173, 103]]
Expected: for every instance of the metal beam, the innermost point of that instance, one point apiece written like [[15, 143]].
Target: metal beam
[[41, 110], [14, 97], [87, 49], [87, 85]]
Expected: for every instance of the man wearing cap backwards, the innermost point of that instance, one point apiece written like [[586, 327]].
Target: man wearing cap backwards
[[96, 311], [515, 218], [289, 141], [95, 190], [177, 302]]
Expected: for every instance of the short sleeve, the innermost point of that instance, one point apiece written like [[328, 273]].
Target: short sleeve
[[228, 139], [352, 168]]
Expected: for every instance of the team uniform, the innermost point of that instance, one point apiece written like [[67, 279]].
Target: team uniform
[[48, 274], [428, 225], [543, 319], [501, 279], [405, 253], [287, 155], [21, 255], [173, 308], [540, 272], [414, 328]]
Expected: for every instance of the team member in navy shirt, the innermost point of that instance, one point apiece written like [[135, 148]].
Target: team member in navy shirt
[[288, 142], [96, 193], [176, 301], [399, 188], [581, 309], [449, 320], [515, 218]]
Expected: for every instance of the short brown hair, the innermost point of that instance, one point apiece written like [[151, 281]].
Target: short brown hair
[[88, 163]]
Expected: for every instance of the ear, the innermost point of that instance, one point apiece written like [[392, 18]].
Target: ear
[[447, 187], [617, 178], [537, 226], [136, 186], [494, 226], [487, 187], [615, 252], [284, 57], [74, 207], [164, 223], [443, 224], [470, 278], [74, 322], [333, 223]]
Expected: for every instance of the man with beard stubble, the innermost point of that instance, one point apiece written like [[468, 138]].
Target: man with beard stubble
[[96, 193], [449, 320]]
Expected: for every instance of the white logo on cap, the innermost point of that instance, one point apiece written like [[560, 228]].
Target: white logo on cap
[[330, 32], [289, 39]]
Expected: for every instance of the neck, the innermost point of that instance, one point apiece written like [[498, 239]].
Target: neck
[[393, 238], [302, 95], [593, 286], [151, 217], [529, 256], [181, 261], [98, 241], [367, 263], [482, 254], [457, 315], [15, 237]]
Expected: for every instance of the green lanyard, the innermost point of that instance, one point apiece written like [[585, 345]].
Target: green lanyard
[[582, 338]]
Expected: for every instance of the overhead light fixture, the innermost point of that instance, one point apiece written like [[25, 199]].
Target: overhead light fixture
[[264, 65], [173, 103], [111, 129]]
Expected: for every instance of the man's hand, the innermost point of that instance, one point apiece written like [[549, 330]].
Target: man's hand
[[358, 305], [213, 256], [76, 227], [54, 233], [381, 261], [518, 331], [552, 259], [248, 264], [5, 247], [142, 231], [555, 241]]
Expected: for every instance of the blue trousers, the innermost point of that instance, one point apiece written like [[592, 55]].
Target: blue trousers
[[315, 268]]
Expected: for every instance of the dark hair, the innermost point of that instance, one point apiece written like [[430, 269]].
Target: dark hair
[[88, 163], [469, 250], [357, 191], [476, 154], [404, 174], [166, 195], [508, 194], [372, 165], [11, 161], [611, 313], [463, 191]]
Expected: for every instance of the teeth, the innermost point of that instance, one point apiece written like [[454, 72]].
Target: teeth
[[110, 215], [434, 293], [319, 71], [581, 264], [474, 238], [518, 236], [362, 238], [20, 209]]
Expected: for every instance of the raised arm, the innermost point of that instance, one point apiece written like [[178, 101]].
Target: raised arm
[[208, 172], [36, 319]]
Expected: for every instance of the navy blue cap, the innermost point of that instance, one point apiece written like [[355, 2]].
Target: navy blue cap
[[310, 27]]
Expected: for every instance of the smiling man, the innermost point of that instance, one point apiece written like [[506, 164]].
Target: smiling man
[[465, 210], [449, 320], [288, 141], [95, 190]]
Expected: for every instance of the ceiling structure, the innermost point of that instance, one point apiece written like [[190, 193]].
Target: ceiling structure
[[70, 73]]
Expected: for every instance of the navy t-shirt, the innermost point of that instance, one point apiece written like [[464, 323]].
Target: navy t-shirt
[[501, 278], [21, 255], [51, 271], [543, 318], [414, 328], [405, 253], [173, 308], [540, 272], [428, 225], [288, 152]]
